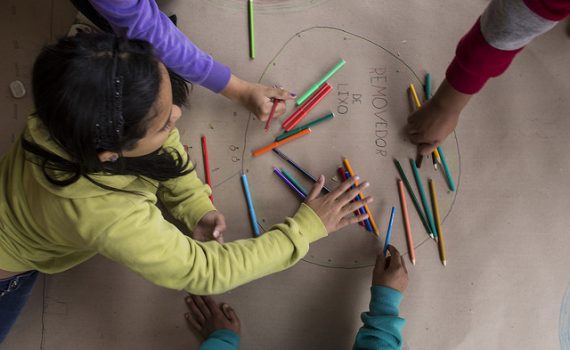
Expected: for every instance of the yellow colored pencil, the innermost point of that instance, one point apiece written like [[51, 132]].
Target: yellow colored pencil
[[372, 221], [418, 105], [441, 242]]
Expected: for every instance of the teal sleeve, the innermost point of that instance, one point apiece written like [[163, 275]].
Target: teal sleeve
[[382, 327], [222, 339]]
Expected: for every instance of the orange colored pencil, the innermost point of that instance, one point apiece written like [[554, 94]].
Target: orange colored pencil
[[409, 238], [372, 221], [279, 143]]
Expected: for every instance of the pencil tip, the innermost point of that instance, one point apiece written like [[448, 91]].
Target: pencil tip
[[445, 263]]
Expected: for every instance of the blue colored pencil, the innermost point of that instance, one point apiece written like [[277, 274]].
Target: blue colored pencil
[[252, 216], [289, 183], [423, 196], [389, 231], [446, 170]]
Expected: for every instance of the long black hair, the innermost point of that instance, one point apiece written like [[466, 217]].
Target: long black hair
[[93, 92]]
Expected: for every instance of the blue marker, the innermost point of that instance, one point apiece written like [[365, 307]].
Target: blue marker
[[250, 205], [389, 232]]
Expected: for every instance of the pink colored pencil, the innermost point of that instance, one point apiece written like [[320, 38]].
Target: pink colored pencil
[[410, 240], [271, 114], [303, 106], [207, 165], [310, 106]]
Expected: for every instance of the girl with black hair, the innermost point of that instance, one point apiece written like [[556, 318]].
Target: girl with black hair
[[95, 157]]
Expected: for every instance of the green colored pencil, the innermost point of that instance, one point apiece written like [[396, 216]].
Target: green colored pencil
[[251, 31], [303, 127], [423, 196], [446, 170], [413, 196], [321, 82], [294, 182]]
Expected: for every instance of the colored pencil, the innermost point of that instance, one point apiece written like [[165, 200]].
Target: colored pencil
[[413, 196], [309, 92], [250, 208], [427, 86], [289, 183], [282, 142], [271, 114], [318, 98], [446, 170], [409, 238], [251, 30], [415, 96], [298, 167], [305, 126], [207, 165], [361, 210], [389, 231], [423, 196], [305, 105], [344, 176], [441, 242], [294, 182], [370, 217]]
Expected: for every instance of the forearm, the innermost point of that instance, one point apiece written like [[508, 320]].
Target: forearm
[[223, 339], [447, 100]]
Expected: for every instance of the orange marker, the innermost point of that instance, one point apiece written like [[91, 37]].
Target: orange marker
[[279, 143]]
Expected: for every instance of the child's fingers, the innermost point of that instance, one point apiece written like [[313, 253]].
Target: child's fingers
[[426, 148], [351, 194], [281, 94], [202, 306], [281, 108], [404, 264], [211, 304], [350, 207], [316, 189], [344, 186], [230, 313], [193, 323], [351, 220], [195, 311], [219, 228]]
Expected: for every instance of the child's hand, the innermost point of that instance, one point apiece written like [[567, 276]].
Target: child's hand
[[257, 98], [390, 271], [205, 316], [211, 226], [335, 209]]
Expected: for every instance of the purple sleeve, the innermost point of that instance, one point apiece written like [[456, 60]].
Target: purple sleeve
[[142, 19]]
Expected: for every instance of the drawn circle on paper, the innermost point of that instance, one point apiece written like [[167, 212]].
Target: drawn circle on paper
[[269, 6], [371, 106]]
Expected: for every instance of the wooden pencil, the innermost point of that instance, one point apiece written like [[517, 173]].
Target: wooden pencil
[[279, 143], [407, 228], [207, 165], [441, 242], [370, 217], [271, 114], [299, 168], [423, 196]]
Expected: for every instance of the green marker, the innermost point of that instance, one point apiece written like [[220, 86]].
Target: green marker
[[294, 182], [303, 127], [321, 82], [251, 31]]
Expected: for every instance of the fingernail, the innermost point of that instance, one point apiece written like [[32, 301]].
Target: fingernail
[[293, 94], [357, 177], [188, 299], [216, 234], [370, 200], [366, 184], [113, 158]]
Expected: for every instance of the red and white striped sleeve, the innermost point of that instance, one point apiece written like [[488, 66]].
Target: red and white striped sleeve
[[502, 31]]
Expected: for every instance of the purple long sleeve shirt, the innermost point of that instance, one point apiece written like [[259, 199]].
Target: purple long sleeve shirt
[[142, 19]]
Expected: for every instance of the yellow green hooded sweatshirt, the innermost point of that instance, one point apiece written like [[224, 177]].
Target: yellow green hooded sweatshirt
[[50, 228]]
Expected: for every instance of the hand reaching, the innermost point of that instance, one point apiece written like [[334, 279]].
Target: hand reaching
[[205, 316], [211, 226], [390, 271]]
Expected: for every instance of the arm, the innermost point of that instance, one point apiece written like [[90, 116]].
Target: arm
[[486, 51], [222, 339], [382, 327]]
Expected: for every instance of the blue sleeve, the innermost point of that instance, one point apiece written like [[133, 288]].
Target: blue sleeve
[[222, 339], [382, 327], [142, 19]]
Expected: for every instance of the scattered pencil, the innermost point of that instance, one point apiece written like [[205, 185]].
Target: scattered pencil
[[427, 86], [344, 175], [419, 160], [389, 231], [415, 96], [434, 161], [250, 208], [298, 167], [441, 242], [409, 238], [361, 210], [294, 182], [207, 165], [370, 217], [271, 114], [300, 112], [282, 142], [251, 30], [423, 196], [289, 183], [310, 105], [305, 126], [413, 196], [309, 92], [446, 170]]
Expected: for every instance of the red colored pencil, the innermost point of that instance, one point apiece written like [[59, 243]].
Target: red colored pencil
[[271, 114], [310, 106], [303, 106], [207, 165]]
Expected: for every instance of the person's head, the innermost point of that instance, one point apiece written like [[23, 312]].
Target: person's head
[[110, 104]]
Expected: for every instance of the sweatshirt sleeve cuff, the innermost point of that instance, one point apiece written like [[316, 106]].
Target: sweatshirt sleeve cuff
[[218, 77], [226, 335], [464, 81], [385, 301], [310, 223]]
